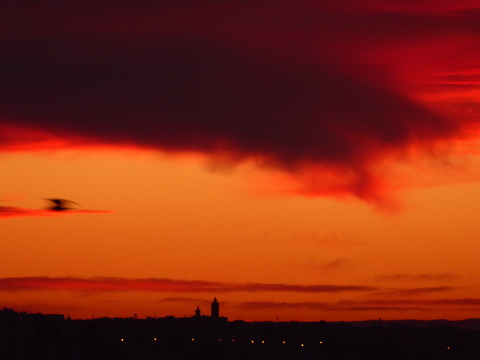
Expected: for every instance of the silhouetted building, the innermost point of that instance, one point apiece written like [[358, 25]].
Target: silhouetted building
[[197, 312], [215, 309], [39, 336]]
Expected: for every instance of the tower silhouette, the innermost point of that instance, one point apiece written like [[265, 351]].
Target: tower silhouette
[[215, 309]]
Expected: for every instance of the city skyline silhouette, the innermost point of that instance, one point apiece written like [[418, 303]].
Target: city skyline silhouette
[[26, 335], [298, 160]]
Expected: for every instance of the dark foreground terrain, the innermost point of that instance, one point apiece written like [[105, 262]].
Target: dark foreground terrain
[[37, 336]]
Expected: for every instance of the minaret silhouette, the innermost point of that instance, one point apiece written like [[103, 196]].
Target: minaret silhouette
[[197, 312], [215, 309]]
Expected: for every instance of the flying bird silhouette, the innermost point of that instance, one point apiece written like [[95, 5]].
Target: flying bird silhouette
[[60, 204]]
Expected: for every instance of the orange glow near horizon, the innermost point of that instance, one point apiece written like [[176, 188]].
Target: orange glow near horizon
[[174, 220], [297, 161]]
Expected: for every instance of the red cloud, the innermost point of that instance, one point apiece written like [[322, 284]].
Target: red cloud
[[425, 277], [163, 285], [370, 305], [293, 86], [323, 306], [195, 286], [9, 212], [12, 212], [417, 291]]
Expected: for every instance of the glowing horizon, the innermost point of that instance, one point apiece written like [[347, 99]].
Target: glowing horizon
[[295, 160]]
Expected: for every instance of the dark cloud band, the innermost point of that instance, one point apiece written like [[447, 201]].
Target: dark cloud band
[[163, 285], [281, 84]]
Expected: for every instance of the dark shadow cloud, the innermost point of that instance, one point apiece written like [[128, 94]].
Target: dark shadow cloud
[[289, 86], [162, 285]]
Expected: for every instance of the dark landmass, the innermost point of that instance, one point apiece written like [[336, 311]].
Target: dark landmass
[[39, 336]]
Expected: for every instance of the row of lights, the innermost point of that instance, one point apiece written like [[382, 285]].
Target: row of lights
[[233, 340], [263, 342]]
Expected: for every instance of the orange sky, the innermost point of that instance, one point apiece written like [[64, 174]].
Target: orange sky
[[174, 220], [306, 162]]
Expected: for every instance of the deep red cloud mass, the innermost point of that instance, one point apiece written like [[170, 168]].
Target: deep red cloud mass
[[289, 84]]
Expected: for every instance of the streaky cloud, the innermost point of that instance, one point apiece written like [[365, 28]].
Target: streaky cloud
[[457, 304], [417, 291], [423, 277], [15, 212], [322, 306], [162, 285]]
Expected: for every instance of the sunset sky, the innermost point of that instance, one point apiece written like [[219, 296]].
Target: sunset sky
[[300, 160]]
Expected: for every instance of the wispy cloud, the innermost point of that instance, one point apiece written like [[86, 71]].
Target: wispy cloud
[[113, 284], [187, 299], [323, 306], [205, 302], [458, 304], [163, 285], [423, 277], [336, 264], [415, 291], [109, 284]]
